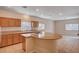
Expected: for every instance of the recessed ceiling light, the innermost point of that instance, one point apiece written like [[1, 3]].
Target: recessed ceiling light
[[60, 14], [37, 9]]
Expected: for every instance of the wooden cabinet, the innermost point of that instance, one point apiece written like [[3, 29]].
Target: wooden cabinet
[[0, 40], [10, 22], [21, 38], [17, 23], [4, 40], [4, 23], [16, 38], [10, 39]]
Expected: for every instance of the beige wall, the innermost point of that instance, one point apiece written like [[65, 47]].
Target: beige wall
[[61, 29], [50, 26], [6, 13]]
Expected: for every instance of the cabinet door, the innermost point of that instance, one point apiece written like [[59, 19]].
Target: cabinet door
[[17, 22], [21, 38], [10, 22], [0, 40], [14, 22], [4, 23], [4, 40], [16, 38], [10, 39], [0, 22]]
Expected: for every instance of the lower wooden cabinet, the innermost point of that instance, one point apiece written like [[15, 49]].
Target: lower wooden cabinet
[[4, 40], [10, 39], [0, 40], [16, 38], [21, 38]]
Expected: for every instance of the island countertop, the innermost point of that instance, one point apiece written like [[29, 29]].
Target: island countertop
[[41, 42], [44, 35]]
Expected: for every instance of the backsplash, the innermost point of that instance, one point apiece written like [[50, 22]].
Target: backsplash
[[11, 28]]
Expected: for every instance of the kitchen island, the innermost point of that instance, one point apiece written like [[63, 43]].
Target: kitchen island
[[43, 42]]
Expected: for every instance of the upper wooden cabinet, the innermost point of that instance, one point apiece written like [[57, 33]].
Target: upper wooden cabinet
[[10, 22]]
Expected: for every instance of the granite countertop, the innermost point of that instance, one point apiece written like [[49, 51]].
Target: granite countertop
[[43, 36], [14, 32]]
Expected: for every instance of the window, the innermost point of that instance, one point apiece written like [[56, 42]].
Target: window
[[26, 25], [41, 26], [71, 26]]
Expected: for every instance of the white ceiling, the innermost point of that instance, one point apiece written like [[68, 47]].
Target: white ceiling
[[49, 12]]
